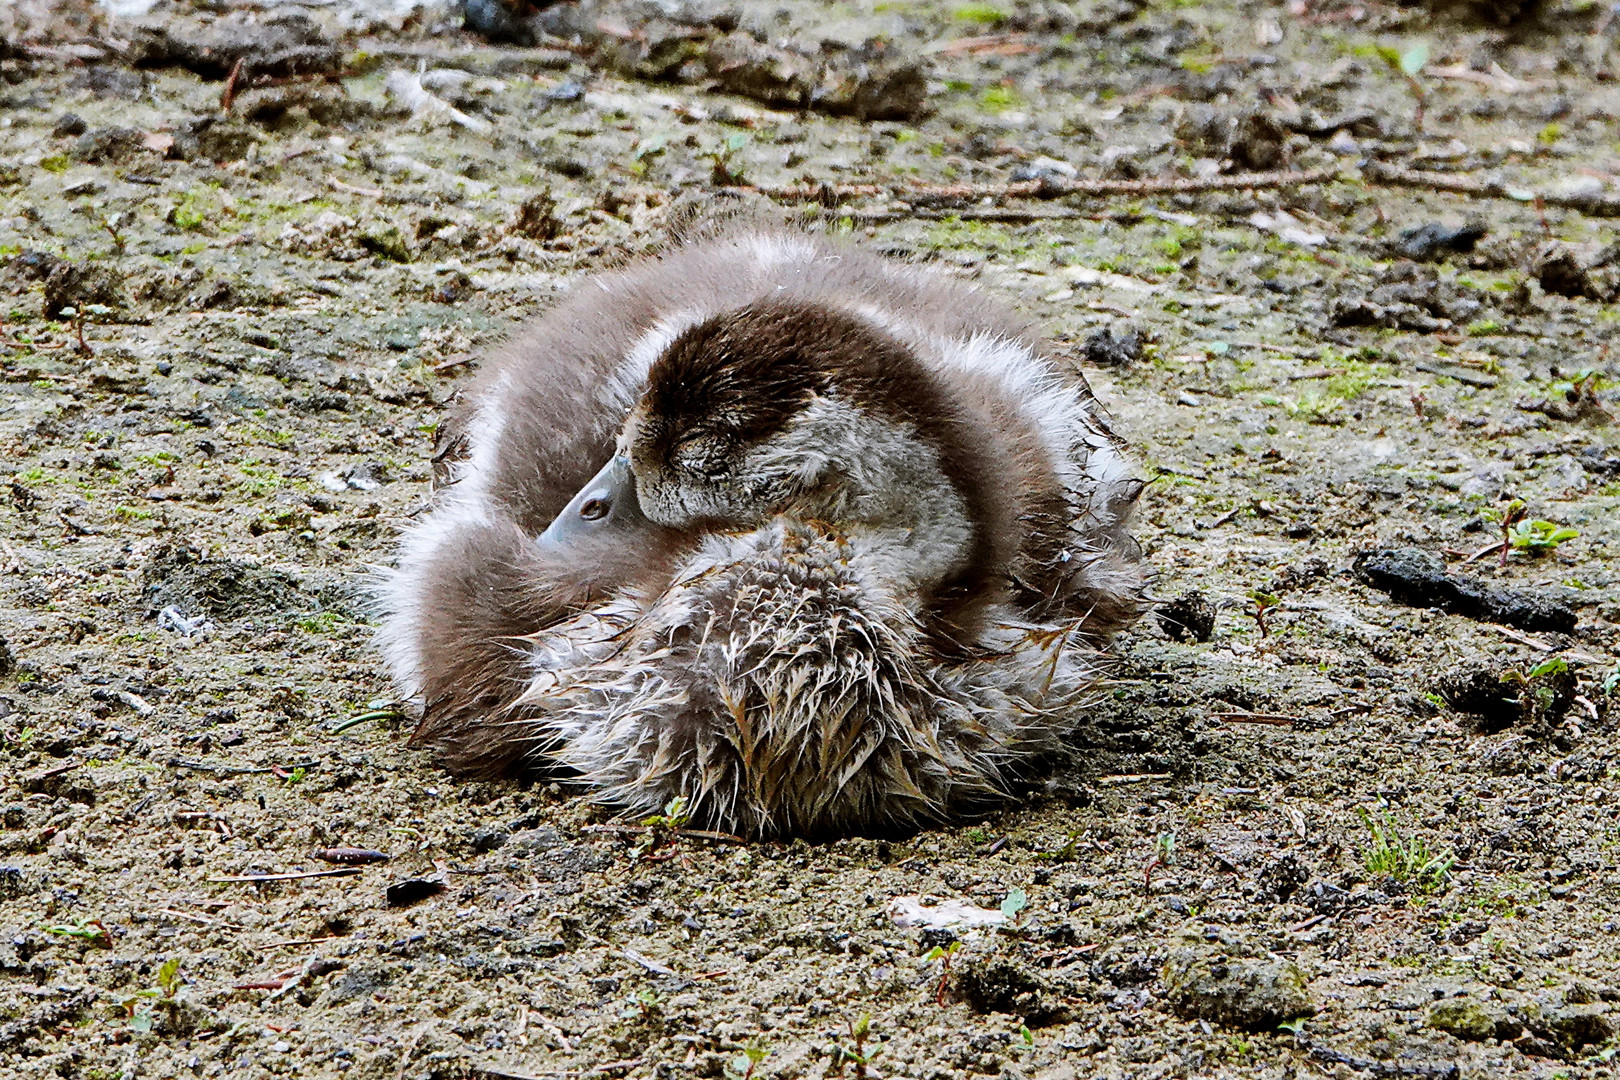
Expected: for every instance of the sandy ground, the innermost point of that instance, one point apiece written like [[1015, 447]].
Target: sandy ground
[[1280, 851]]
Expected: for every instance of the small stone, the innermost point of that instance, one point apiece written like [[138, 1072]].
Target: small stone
[[1002, 985], [1252, 994], [69, 124], [1111, 347], [1572, 1027], [413, 890], [1189, 617], [489, 837], [1462, 1017], [385, 238], [1433, 240]]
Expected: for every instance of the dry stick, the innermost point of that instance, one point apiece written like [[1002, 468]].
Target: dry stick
[[640, 830], [228, 95], [1379, 172], [1273, 719], [1373, 172], [348, 871], [1044, 189]]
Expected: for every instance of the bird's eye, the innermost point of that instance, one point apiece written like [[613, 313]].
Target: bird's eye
[[595, 509]]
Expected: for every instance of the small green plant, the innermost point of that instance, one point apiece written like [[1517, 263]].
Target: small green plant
[[190, 212], [724, 167], [643, 1005], [1014, 904], [1409, 65], [999, 98], [1507, 517], [661, 828], [1408, 861], [168, 977], [742, 1068], [856, 1054], [297, 776], [1067, 853], [983, 14], [92, 932], [1539, 537], [1557, 665], [942, 952], [1263, 604]]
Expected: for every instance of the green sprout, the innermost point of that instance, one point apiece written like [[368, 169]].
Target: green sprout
[[1539, 537], [92, 932], [858, 1055], [1408, 861]]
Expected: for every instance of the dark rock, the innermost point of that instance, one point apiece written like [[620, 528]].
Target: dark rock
[[75, 285], [741, 65], [1434, 240], [213, 138], [1464, 1018], [1002, 985], [1570, 1027], [537, 218], [1416, 577], [489, 837], [1252, 994], [16, 882], [360, 980], [1595, 459], [873, 84], [111, 81], [281, 45], [1560, 269], [1113, 347], [1189, 617], [1282, 877], [223, 588], [413, 891], [1502, 699], [109, 144], [1246, 140], [290, 105], [50, 1015], [504, 22], [8, 662], [69, 124]]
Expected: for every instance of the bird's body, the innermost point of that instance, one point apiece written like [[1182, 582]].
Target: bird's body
[[847, 566]]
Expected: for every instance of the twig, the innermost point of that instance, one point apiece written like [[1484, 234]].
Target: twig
[[346, 871], [236, 770], [1133, 778], [371, 193], [1273, 719], [228, 95], [454, 361], [201, 919], [1400, 176], [832, 194], [1514, 635], [642, 830], [1316, 920]]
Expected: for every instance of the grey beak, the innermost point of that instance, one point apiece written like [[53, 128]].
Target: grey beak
[[606, 504]]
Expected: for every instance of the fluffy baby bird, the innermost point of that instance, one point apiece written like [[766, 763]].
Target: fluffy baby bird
[[819, 543]]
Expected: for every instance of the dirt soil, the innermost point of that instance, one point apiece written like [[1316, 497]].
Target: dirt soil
[[1280, 846]]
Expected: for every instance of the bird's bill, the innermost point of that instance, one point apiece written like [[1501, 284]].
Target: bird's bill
[[607, 504]]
